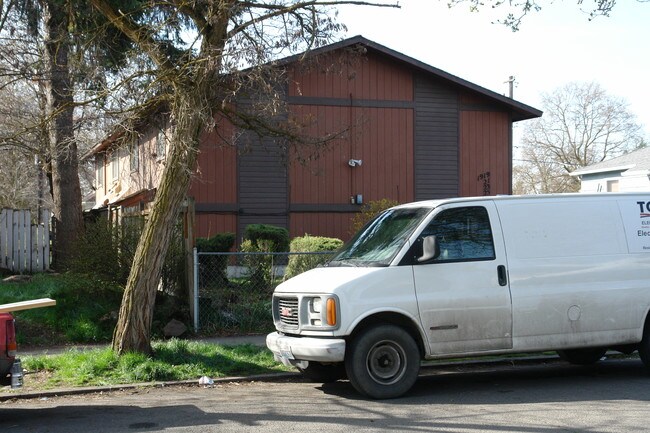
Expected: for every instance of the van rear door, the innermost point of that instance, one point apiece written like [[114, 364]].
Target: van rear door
[[463, 295]]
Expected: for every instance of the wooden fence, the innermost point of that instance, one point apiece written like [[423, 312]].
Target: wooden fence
[[24, 247]]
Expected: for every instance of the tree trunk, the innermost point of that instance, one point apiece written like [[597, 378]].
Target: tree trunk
[[66, 190], [133, 330]]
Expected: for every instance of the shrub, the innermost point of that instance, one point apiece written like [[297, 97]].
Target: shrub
[[213, 268], [369, 211], [260, 266], [97, 252], [263, 238], [306, 244], [219, 243], [279, 236]]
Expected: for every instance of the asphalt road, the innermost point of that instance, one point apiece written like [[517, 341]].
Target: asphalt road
[[613, 396]]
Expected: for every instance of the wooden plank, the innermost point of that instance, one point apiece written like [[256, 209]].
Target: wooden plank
[[27, 305]]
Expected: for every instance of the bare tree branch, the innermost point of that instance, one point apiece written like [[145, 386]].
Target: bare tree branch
[[582, 125]]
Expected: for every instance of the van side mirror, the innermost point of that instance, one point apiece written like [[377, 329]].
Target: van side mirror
[[430, 249]]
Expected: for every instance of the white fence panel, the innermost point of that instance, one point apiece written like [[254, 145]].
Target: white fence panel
[[24, 247]]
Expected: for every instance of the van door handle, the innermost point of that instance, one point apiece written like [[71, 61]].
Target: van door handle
[[503, 276]]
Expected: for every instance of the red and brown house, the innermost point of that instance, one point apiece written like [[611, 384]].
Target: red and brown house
[[415, 133]]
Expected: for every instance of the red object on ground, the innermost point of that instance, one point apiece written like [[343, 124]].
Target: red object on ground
[[8, 347]]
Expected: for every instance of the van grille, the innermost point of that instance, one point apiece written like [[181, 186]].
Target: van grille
[[287, 311]]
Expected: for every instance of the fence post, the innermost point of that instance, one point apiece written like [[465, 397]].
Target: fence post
[[196, 289], [5, 235], [47, 220]]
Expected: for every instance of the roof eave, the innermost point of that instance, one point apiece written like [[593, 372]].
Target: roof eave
[[602, 170]]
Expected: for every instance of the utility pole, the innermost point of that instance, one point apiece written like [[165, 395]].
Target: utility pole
[[511, 85]]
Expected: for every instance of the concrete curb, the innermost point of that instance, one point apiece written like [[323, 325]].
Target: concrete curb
[[271, 377]]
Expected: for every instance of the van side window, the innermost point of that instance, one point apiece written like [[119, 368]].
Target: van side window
[[462, 234]]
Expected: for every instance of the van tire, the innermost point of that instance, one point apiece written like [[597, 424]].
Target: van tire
[[383, 362], [644, 345], [323, 373], [582, 356]]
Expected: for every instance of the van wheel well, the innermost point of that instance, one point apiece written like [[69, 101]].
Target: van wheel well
[[391, 319]]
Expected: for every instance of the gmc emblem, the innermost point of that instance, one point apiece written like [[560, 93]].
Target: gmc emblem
[[285, 312]]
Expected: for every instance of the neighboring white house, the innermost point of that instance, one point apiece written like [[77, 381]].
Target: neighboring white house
[[629, 172]]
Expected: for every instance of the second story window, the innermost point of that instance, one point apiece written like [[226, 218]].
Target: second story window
[[134, 155], [161, 142], [115, 164], [99, 170]]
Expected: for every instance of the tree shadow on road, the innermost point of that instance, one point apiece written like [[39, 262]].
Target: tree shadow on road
[[554, 382]]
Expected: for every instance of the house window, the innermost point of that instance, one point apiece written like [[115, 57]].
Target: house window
[[99, 170], [161, 141], [612, 185], [115, 164], [134, 155]]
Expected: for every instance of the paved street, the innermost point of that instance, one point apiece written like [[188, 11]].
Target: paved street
[[611, 397]]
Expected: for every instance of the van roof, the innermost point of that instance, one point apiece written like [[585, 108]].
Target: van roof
[[439, 202]]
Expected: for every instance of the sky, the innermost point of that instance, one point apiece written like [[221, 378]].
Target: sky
[[553, 47]]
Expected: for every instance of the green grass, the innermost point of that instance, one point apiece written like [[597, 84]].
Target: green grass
[[85, 311], [172, 360]]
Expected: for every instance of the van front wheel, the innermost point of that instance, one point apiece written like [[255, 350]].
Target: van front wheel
[[582, 356], [644, 346], [383, 362]]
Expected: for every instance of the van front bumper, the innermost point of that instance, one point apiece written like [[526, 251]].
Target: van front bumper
[[292, 350]]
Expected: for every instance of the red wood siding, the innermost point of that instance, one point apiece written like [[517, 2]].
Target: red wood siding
[[484, 148], [381, 137], [207, 225], [345, 75], [380, 122], [333, 225], [216, 180]]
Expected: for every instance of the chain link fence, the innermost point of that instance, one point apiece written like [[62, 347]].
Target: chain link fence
[[232, 291]]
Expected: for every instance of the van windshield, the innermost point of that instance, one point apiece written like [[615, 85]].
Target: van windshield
[[377, 243]]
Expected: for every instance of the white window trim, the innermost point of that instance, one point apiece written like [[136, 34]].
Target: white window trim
[[115, 164]]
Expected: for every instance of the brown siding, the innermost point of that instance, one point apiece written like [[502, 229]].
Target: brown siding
[[215, 186], [334, 225], [436, 140], [262, 188], [210, 224], [372, 98], [217, 169], [381, 138], [485, 153], [367, 77]]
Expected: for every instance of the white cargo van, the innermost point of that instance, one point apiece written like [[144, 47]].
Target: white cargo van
[[472, 276]]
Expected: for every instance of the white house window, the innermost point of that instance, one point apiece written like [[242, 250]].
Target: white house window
[[115, 165], [612, 185], [134, 155], [99, 170], [161, 142]]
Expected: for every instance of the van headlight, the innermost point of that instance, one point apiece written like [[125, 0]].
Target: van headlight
[[323, 311]]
